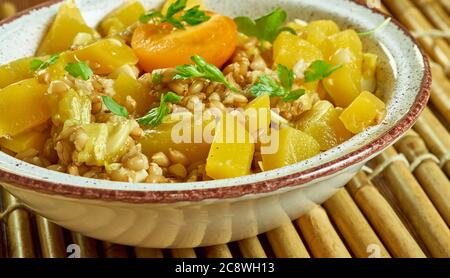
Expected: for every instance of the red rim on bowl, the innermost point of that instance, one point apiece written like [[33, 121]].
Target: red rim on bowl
[[265, 186]]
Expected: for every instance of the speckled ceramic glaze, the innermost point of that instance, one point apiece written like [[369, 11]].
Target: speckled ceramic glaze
[[214, 212]]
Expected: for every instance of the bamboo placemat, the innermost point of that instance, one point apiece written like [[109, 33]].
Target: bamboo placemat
[[400, 209]]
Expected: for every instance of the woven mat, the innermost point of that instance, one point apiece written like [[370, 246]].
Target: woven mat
[[401, 208]]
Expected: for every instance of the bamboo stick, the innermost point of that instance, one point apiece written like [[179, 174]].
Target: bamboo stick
[[7, 9], [286, 243], [428, 173], [51, 239], [112, 250], [415, 204], [218, 252], [252, 248], [353, 226], [18, 230], [446, 5], [383, 218], [88, 246], [435, 135], [148, 253], [435, 13], [414, 20], [440, 91], [187, 253], [320, 236]]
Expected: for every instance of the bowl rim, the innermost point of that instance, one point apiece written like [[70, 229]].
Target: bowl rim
[[258, 187]]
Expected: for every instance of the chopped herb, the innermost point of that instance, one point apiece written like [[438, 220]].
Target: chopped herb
[[37, 64], [268, 85], [294, 95], [79, 69], [157, 78], [265, 28], [319, 70], [193, 16], [155, 116], [114, 107], [373, 31], [202, 69]]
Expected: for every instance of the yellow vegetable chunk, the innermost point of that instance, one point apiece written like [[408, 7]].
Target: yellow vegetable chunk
[[106, 55], [189, 4], [166, 136], [57, 71], [23, 106], [366, 110], [347, 39], [322, 122], [126, 85], [317, 32], [70, 108], [232, 151], [289, 49], [257, 114], [15, 71], [294, 146], [25, 141], [67, 24], [369, 71], [121, 18]]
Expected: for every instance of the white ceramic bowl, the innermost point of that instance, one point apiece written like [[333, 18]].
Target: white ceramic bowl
[[215, 212]]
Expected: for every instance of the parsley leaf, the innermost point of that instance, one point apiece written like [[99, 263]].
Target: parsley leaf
[[195, 16], [294, 95], [286, 76], [202, 69], [79, 69], [176, 7], [114, 107], [157, 78], [146, 17], [37, 65], [155, 116], [265, 28], [319, 70], [267, 85]]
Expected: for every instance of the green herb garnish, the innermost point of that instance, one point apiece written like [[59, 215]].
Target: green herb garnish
[[193, 16], [373, 31], [157, 78], [79, 69], [268, 85], [202, 69], [114, 107], [319, 70], [37, 64], [265, 28], [155, 116]]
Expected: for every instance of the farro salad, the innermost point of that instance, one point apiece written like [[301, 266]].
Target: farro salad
[[183, 94]]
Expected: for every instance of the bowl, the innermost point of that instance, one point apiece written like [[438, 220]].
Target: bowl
[[215, 212]]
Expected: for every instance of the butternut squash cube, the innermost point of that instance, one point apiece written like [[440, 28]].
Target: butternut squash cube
[[258, 116], [23, 106], [25, 141], [231, 153], [317, 32], [15, 71], [67, 24], [70, 108], [190, 141], [347, 39], [294, 146], [369, 72], [288, 49], [322, 122], [366, 110], [126, 85], [106, 55], [121, 18]]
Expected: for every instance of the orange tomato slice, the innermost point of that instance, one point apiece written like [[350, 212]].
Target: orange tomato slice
[[159, 46]]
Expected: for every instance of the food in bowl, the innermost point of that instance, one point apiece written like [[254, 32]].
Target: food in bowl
[[184, 94]]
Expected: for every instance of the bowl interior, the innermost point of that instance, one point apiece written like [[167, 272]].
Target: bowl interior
[[400, 76]]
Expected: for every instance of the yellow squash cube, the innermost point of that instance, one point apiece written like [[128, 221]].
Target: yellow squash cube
[[366, 110], [121, 18], [66, 26], [317, 32], [257, 114], [15, 71], [289, 49], [25, 141], [106, 55], [294, 146], [126, 85], [231, 155], [347, 39], [369, 72], [322, 122]]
